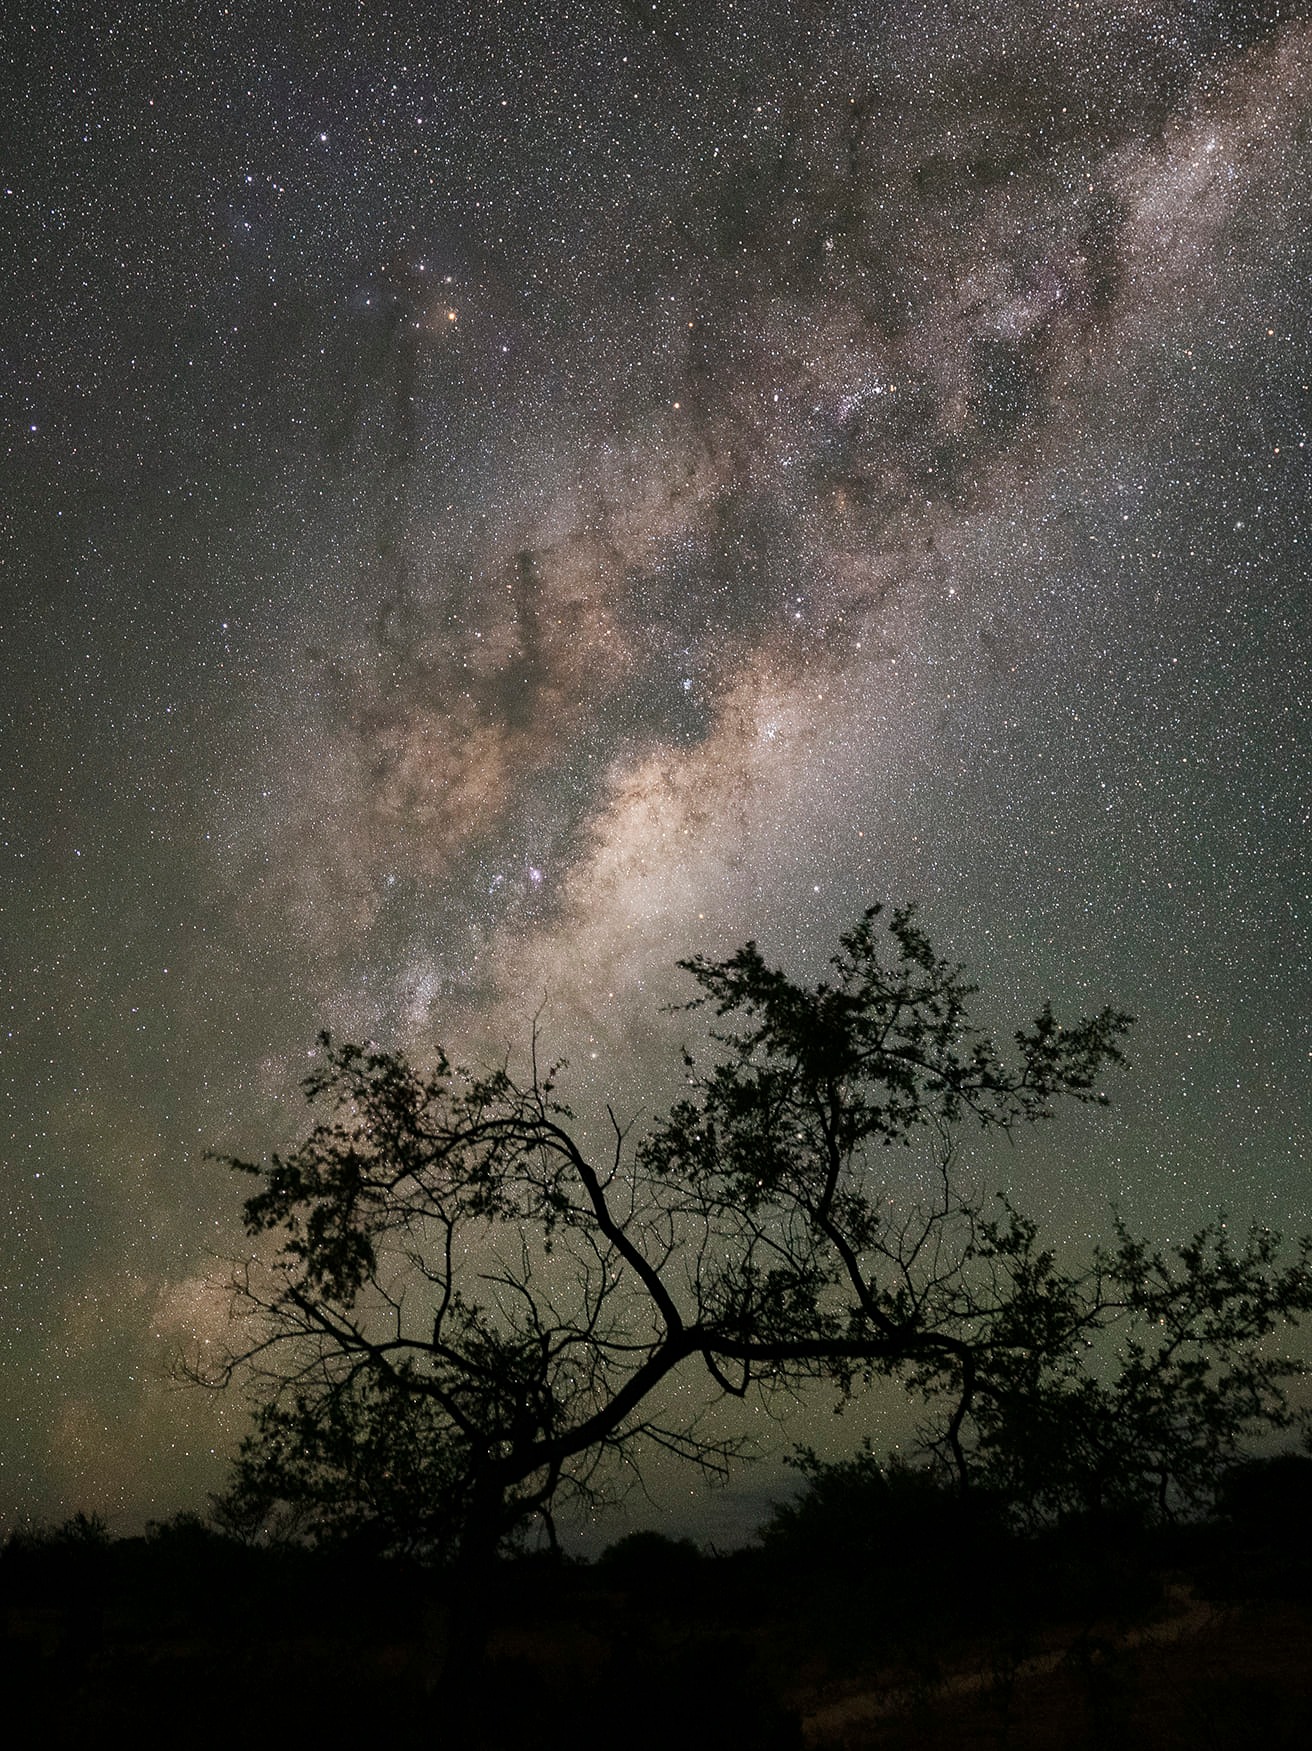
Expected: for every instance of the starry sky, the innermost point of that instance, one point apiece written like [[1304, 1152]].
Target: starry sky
[[502, 496]]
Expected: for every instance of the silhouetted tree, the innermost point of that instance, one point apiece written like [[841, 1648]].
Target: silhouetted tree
[[651, 1563], [1125, 1387], [862, 1517], [1270, 1499], [468, 1310]]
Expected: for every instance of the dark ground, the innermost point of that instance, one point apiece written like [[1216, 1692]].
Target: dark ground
[[1200, 1639]]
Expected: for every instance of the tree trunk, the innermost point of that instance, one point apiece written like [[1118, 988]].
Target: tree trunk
[[457, 1635]]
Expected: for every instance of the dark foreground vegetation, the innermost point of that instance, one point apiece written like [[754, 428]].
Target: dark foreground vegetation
[[877, 1610], [462, 1308]]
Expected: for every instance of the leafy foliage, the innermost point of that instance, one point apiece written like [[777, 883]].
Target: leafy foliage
[[1129, 1386], [864, 1516], [468, 1312]]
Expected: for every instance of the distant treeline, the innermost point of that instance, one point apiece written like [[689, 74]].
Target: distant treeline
[[869, 1569]]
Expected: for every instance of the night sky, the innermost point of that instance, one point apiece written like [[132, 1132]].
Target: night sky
[[498, 498]]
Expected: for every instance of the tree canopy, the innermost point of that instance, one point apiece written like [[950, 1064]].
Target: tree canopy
[[459, 1310]]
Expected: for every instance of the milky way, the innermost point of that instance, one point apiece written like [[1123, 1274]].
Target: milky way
[[505, 502]]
